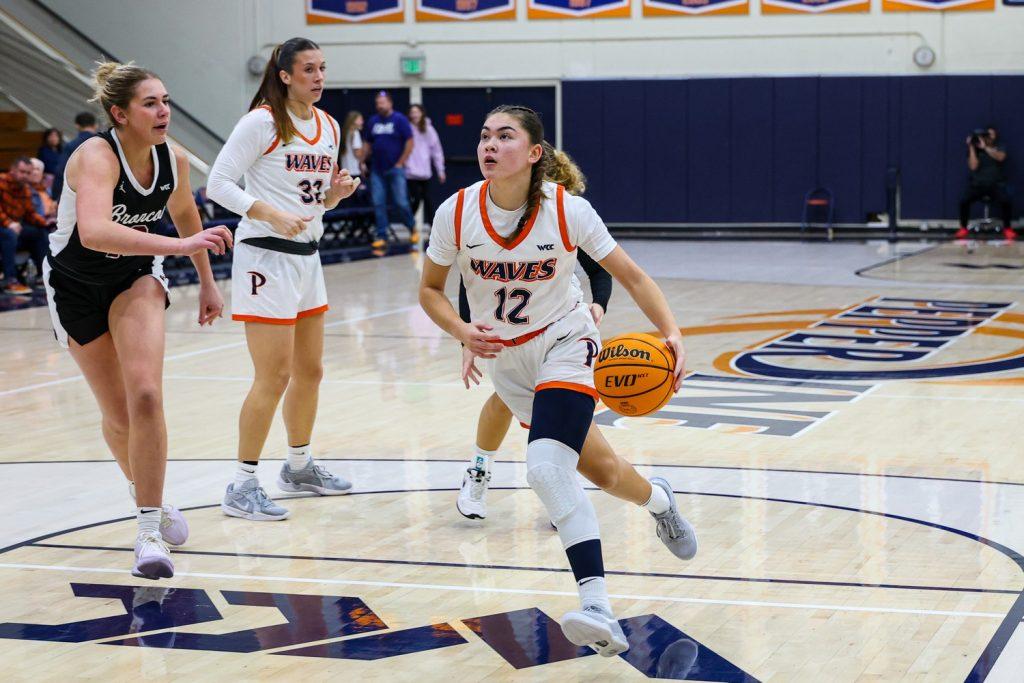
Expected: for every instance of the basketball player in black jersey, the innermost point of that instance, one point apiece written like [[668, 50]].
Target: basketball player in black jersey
[[107, 291]]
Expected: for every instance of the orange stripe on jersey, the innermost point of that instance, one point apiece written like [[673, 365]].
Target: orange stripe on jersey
[[319, 126], [458, 218], [334, 125], [571, 386], [273, 146], [563, 228], [501, 241]]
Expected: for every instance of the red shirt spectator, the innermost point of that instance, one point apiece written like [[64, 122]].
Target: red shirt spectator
[[16, 198]]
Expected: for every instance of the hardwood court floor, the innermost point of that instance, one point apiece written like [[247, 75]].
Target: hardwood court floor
[[848, 447]]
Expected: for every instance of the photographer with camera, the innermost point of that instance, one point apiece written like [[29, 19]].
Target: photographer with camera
[[985, 160]]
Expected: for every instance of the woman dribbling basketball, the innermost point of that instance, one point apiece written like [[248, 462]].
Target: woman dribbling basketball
[[514, 237]]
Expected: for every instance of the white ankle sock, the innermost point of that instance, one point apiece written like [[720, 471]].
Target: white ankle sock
[[482, 459], [244, 472], [299, 457], [659, 501], [593, 591], [149, 520]]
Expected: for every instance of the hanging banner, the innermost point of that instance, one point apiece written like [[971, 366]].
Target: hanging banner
[[675, 8], [577, 9], [813, 6], [938, 5], [354, 11], [464, 10]]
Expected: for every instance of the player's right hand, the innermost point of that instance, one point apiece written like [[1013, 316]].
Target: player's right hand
[[288, 224], [475, 338], [469, 369], [217, 239]]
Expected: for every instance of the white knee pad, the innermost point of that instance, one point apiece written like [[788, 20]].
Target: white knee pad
[[551, 473]]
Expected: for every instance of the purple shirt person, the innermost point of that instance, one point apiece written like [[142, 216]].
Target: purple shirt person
[[426, 156], [389, 143]]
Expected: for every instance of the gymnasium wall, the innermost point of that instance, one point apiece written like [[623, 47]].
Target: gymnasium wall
[[748, 149], [738, 105]]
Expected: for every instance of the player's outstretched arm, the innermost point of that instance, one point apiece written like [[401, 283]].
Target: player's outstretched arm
[[187, 222], [93, 172], [649, 297]]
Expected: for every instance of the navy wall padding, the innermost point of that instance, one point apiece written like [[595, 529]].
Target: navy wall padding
[[747, 150], [751, 150]]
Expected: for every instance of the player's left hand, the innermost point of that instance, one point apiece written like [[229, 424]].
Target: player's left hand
[[597, 313], [469, 369], [675, 342], [211, 304], [342, 183]]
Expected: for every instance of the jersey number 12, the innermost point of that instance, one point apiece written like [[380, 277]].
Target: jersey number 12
[[514, 315]]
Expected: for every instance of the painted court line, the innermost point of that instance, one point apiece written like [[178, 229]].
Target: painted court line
[[519, 591]]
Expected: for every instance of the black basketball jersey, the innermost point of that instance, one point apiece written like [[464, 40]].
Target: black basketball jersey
[[135, 207]]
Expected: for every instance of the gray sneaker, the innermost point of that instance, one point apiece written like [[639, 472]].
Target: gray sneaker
[[313, 478], [250, 501], [674, 531], [595, 628]]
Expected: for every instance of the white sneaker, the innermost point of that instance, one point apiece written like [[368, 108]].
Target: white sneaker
[[472, 501], [152, 558], [596, 629], [173, 527]]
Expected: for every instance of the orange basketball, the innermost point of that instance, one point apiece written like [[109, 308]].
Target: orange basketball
[[633, 374]]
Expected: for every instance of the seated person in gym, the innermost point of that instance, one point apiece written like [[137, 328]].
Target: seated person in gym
[[985, 159]]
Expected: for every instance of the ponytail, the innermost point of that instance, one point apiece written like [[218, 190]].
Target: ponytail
[[273, 93]]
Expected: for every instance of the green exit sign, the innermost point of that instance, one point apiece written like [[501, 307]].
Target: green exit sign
[[413, 66]]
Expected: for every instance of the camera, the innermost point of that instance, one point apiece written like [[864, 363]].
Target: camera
[[977, 134]]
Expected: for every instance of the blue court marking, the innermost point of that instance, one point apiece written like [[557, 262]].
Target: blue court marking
[[980, 671], [735, 468]]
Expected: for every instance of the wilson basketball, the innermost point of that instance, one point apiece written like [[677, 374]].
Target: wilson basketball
[[633, 374]]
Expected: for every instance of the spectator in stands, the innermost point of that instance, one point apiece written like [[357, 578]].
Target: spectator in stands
[[426, 156], [86, 123], [42, 202], [353, 154], [985, 159], [20, 225], [389, 143], [52, 150]]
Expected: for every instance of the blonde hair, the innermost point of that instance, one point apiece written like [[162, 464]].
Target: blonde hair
[[562, 170], [114, 85]]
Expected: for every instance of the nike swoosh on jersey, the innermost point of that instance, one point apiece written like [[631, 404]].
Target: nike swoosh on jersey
[[558, 339], [473, 246]]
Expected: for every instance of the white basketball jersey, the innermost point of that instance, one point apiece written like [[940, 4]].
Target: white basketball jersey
[[520, 285], [293, 176]]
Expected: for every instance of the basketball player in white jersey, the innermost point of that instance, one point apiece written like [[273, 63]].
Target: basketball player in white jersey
[[107, 291], [514, 238], [287, 149], [598, 462]]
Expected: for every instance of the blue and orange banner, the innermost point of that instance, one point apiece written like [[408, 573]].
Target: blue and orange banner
[[938, 5], [814, 6], [577, 9], [675, 8], [464, 10], [354, 11]]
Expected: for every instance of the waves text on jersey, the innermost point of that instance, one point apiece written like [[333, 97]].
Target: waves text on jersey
[[508, 271]]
